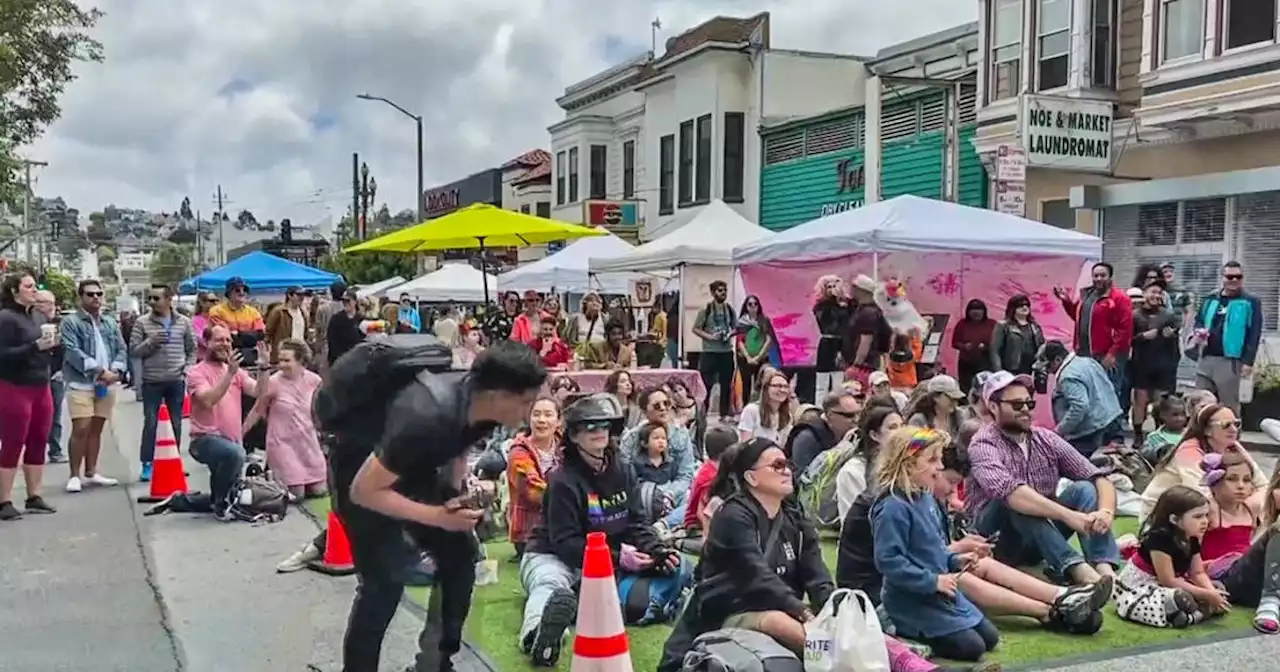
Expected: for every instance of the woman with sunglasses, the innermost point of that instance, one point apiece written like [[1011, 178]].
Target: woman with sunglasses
[[593, 490], [1214, 429], [655, 403]]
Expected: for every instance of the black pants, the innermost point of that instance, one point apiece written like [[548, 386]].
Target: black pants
[[717, 367], [966, 371], [382, 559], [749, 373], [1256, 573], [966, 645]]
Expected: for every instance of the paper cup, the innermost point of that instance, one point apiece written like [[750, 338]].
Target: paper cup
[[48, 331]]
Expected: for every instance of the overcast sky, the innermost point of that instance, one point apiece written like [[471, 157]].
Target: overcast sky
[[260, 96]]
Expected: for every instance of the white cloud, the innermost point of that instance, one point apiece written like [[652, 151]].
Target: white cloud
[[259, 97]]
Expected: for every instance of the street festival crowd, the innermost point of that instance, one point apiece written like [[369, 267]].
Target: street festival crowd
[[714, 478]]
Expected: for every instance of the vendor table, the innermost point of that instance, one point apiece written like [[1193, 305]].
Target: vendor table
[[593, 380]]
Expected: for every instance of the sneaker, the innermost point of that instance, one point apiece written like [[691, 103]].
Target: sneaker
[[57, 458], [162, 506], [145, 476], [557, 616], [1180, 609], [74, 484], [299, 560], [38, 505], [100, 480], [9, 512]]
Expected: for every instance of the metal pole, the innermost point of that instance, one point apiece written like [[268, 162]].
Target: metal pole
[[222, 252], [355, 195], [418, 197]]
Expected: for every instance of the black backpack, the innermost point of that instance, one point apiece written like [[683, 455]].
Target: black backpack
[[352, 403]]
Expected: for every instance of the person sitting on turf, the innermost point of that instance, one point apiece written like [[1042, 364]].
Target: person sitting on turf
[[594, 490], [1013, 490], [992, 585], [656, 405]]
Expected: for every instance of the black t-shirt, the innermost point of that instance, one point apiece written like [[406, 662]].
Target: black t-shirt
[[427, 427], [342, 334], [1179, 550]]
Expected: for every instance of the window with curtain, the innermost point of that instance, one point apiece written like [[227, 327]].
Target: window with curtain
[[702, 173], [1181, 28], [573, 175], [1053, 44], [686, 162], [666, 174], [1005, 75]]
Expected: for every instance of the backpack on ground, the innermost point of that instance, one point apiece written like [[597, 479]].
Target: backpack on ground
[[352, 402], [817, 491], [257, 500], [739, 650]]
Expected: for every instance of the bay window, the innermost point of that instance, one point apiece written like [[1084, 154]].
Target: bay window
[[1247, 22], [1181, 28], [1005, 76], [1053, 44]]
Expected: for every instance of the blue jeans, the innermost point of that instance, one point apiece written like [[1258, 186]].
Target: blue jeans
[[1025, 540], [673, 352], [59, 391], [169, 393], [225, 461], [675, 518], [1120, 381]]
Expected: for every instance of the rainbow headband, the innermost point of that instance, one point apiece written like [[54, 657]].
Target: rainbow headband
[[922, 438]]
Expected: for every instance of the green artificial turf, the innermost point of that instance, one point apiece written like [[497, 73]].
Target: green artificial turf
[[496, 614]]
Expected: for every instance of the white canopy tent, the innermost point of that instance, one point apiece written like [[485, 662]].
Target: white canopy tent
[[915, 224], [459, 282], [707, 239], [567, 270], [377, 288]]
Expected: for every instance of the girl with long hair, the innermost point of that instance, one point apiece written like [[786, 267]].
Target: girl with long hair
[[878, 422], [535, 453], [1017, 338], [1165, 583], [939, 407], [27, 412], [1214, 429], [831, 310], [293, 446], [770, 417], [621, 385], [755, 338]]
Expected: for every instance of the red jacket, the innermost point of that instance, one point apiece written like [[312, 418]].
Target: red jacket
[[557, 355], [1110, 326]]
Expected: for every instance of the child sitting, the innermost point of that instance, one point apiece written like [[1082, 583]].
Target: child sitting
[[1165, 584], [921, 574], [653, 466], [717, 440], [1170, 415], [1232, 520]]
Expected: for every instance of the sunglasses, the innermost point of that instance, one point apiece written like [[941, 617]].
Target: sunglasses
[[154, 297], [91, 294], [1225, 424], [1233, 276], [593, 425], [660, 405], [780, 465], [845, 414], [1022, 404]]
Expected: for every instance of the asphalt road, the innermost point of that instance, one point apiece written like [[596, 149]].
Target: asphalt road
[[99, 587]]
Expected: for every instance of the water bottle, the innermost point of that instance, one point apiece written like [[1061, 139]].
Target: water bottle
[[100, 390]]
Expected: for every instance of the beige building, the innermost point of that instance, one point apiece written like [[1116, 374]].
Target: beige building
[[1154, 124]]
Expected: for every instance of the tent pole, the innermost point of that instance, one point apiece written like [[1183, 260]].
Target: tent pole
[[680, 315], [484, 271]]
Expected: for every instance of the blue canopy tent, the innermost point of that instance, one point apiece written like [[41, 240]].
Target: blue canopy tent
[[264, 273]]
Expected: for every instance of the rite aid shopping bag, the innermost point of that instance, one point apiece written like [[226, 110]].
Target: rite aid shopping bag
[[845, 639]]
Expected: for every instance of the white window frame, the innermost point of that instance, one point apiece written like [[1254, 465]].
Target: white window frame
[[1040, 40], [1162, 33], [1017, 47], [1226, 24], [1113, 35]]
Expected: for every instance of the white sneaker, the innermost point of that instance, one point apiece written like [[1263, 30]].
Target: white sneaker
[[99, 479], [299, 560], [74, 485]]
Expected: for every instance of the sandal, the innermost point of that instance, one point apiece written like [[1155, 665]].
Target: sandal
[[1267, 618]]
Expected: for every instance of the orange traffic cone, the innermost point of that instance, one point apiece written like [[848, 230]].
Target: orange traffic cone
[[337, 550], [168, 476], [600, 638], [186, 406]]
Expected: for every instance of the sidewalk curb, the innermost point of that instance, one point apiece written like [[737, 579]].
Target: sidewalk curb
[[1132, 651], [419, 611]]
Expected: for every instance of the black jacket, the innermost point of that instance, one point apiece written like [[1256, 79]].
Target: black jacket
[[736, 575], [806, 441], [855, 560], [580, 500], [21, 362]]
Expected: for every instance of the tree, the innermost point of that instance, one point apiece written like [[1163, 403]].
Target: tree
[[106, 269], [40, 41], [382, 218], [171, 264], [99, 234], [183, 237], [369, 267], [184, 210], [246, 220], [106, 253], [270, 225], [63, 287], [404, 218]]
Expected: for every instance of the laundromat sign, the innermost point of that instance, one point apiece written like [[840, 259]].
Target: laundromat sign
[[1067, 133]]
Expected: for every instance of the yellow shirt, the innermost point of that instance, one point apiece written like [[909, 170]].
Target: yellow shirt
[[246, 318], [659, 327]]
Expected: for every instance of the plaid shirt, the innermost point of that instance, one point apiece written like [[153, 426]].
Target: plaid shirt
[[999, 466]]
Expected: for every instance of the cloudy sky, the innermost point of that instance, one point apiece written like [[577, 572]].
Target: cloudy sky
[[259, 97]]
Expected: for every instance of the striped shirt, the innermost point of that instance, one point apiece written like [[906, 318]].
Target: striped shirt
[[167, 362]]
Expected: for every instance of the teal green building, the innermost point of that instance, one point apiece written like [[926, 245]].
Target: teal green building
[[814, 167]]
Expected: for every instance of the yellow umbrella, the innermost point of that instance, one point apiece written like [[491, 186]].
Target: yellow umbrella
[[477, 226]]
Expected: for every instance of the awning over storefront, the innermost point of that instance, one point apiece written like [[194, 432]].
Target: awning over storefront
[[915, 224]]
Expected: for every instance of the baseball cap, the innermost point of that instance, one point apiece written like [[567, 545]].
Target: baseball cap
[[943, 384], [236, 282], [1002, 379], [877, 378]]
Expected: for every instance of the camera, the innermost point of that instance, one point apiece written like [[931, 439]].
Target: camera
[[1040, 377]]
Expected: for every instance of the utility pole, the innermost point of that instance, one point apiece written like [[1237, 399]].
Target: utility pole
[[27, 195], [199, 245], [221, 251]]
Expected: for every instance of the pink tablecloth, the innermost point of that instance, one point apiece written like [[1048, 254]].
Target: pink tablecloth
[[593, 381]]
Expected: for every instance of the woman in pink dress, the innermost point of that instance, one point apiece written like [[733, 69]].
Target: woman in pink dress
[[293, 448]]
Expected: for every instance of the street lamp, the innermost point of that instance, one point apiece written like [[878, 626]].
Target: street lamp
[[418, 120]]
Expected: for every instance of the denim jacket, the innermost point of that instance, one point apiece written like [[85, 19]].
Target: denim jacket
[[1084, 400], [82, 363]]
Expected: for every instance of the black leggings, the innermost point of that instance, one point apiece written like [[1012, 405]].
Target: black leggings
[[967, 645], [1256, 573], [717, 367]]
